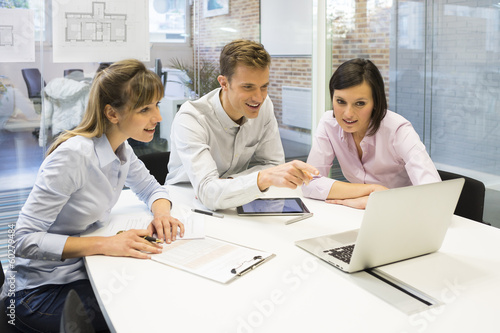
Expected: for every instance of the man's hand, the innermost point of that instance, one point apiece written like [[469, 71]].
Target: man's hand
[[291, 175]]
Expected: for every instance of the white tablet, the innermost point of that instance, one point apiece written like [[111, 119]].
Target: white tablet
[[273, 206]]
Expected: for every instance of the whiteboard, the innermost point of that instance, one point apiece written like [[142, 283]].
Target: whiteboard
[[286, 27]]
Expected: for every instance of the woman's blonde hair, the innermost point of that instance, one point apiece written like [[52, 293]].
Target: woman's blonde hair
[[125, 85]]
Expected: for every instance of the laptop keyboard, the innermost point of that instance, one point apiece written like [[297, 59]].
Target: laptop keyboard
[[343, 253]]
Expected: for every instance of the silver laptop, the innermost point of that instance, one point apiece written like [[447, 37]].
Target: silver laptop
[[398, 224]]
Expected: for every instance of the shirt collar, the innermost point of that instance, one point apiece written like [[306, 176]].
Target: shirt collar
[[368, 139], [105, 153], [226, 122]]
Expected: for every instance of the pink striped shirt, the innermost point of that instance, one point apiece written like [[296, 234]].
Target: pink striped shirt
[[393, 157]]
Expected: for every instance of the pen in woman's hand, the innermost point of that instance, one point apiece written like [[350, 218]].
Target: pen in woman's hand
[[152, 239]]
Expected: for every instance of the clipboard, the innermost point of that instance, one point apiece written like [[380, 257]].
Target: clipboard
[[212, 258]]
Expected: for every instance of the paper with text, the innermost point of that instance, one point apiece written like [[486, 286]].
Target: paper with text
[[211, 258], [194, 224]]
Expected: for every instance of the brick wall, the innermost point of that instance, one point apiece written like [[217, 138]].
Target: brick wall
[[244, 18], [369, 39]]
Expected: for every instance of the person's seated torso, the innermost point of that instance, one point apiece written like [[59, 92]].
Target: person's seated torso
[[203, 124]]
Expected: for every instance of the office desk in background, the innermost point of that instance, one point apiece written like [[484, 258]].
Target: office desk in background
[[295, 291]]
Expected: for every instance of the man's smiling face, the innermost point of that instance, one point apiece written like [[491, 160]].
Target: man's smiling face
[[245, 93]]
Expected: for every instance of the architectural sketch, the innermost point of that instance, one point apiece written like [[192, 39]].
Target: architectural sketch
[[100, 30], [97, 26], [17, 35], [6, 35]]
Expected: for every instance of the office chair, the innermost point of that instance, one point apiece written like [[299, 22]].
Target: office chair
[[103, 65], [471, 202], [5, 327], [157, 164], [33, 80], [74, 317], [76, 72]]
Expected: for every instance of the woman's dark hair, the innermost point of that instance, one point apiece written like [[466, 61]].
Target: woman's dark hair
[[356, 71]]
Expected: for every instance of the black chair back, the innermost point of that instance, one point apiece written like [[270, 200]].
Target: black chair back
[[471, 202], [33, 80], [157, 164], [76, 72], [74, 317]]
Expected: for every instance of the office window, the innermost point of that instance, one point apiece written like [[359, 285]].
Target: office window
[[168, 22]]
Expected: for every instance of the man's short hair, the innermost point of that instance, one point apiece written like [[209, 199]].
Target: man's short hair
[[243, 52]]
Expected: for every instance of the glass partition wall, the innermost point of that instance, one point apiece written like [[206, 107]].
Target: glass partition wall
[[441, 65], [290, 87]]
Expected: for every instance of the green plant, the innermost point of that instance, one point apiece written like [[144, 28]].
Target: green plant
[[202, 81], [3, 90]]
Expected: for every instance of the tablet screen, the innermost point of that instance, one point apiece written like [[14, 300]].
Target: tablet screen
[[275, 206]]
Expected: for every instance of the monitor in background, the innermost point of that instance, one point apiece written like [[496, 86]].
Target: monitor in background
[[159, 71]]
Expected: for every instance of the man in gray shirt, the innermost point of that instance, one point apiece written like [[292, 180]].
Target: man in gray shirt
[[214, 138]]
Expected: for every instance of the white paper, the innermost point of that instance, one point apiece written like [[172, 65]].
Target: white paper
[[211, 258], [194, 224], [100, 31], [17, 35]]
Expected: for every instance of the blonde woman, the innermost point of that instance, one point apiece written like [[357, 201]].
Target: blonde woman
[[77, 185]]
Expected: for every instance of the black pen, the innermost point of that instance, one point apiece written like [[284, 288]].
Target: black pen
[[207, 213], [152, 239]]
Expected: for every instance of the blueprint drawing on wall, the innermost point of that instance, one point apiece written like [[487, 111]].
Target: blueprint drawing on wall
[[100, 31], [17, 35]]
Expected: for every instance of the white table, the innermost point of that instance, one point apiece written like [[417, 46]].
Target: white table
[[295, 291]]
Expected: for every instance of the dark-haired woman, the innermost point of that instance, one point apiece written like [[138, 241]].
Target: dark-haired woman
[[377, 149]]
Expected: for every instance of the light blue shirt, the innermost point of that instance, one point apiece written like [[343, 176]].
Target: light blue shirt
[[75, 189]]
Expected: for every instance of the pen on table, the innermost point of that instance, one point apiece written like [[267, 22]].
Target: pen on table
[[300, 218], [207, 213]]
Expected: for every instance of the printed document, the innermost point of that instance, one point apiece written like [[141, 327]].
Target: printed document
[[211, 258]]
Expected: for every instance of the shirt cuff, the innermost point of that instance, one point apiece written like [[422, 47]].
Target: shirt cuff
[[250, 185], [52, 246], [318, 188], [158, 195]]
